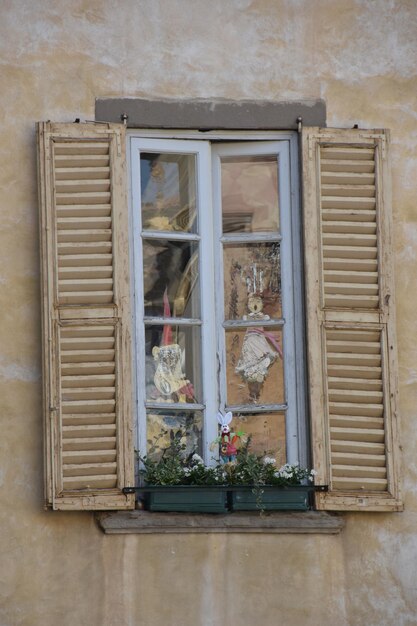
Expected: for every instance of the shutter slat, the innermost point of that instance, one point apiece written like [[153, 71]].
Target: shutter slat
[[347, 421], [97, 430], [72, 368], [82, 273], [86, 469], [355, 395], [347, 215], [345, 202], [357, 434], [356, 408], [88, 393], [351, 329], [348, 251], [101, 481], [349, 227], [343, 177], [348, 447], [72, 260], [350, 277], [81, 160], [367, 484], [95, 380], [78, 187], [82, 173], [87, 361], [89, 443], [356, 459], [80, 457], [348, 342], [88, 406], [349, 153], [80, 284], [85, 248], [73, 223], [94, 197], [74, 419], [77, 148], [352, 471], [75, 236], [348, 191], [362, 372]]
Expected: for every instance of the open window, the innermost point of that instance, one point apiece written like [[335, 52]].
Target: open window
[[214, 271], [216, 243]]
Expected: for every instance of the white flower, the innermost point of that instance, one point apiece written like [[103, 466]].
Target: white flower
[[187, 471], [196, 458], [313, 472], [269, 460]]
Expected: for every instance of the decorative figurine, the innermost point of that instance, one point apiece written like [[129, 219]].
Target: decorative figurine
[[169, 377], [260, 350], [227, 439]]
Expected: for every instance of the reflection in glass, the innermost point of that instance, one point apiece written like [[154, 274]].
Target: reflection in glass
[[162, 425], [168, 192], [254, 366], [250, 193], [267, 431], [173, 358], [252, 281], [170, 277]]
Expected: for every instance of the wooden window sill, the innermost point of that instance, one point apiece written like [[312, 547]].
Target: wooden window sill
[[143, 522]]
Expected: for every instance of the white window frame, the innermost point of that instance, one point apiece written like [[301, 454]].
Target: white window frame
[[286, 145]]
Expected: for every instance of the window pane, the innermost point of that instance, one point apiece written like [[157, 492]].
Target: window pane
[[168, 191], [252, 281], [254, 366], [185, 424], [170, 277], [173, 364], [250, 194], [267, 431]]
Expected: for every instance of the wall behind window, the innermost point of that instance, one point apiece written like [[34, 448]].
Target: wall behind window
[[57, 57]]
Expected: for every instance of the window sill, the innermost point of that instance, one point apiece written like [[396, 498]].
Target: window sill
[[144, 522]]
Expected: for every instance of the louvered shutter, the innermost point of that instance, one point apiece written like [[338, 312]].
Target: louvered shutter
[[350, 318], [86, 317]]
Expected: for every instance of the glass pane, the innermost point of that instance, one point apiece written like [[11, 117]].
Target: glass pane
[[250, 194], [168, 192], [188, 425], [252, 281], [170, 277], [254, 366], [267, 432], [173, 364]]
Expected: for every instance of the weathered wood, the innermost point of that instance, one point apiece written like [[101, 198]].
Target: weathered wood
[[142, 522], [351, 331], [85, 262]]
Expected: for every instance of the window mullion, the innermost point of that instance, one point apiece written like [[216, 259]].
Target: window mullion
[[208, 289]]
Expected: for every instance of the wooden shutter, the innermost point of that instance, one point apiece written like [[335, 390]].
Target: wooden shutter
[[350, 318], [86, 316]]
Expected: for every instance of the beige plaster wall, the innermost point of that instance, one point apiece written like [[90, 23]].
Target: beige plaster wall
[[56, 57]]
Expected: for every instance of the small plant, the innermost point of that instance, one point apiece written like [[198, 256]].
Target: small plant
[[175, 467], [260, 470]]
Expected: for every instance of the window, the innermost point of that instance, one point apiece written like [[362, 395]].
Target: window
[[216, 243], [86, 306]]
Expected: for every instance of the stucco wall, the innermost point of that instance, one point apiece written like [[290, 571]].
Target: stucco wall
[[56, 57]]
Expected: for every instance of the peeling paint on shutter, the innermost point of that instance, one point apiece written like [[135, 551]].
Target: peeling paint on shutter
[[86, 316], [350, 319]]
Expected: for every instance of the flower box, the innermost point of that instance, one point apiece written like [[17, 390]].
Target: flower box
[[190, 498], [270, 499]]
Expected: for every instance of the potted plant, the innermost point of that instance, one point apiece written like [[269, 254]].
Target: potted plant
[[177, 481], [257, 484]]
